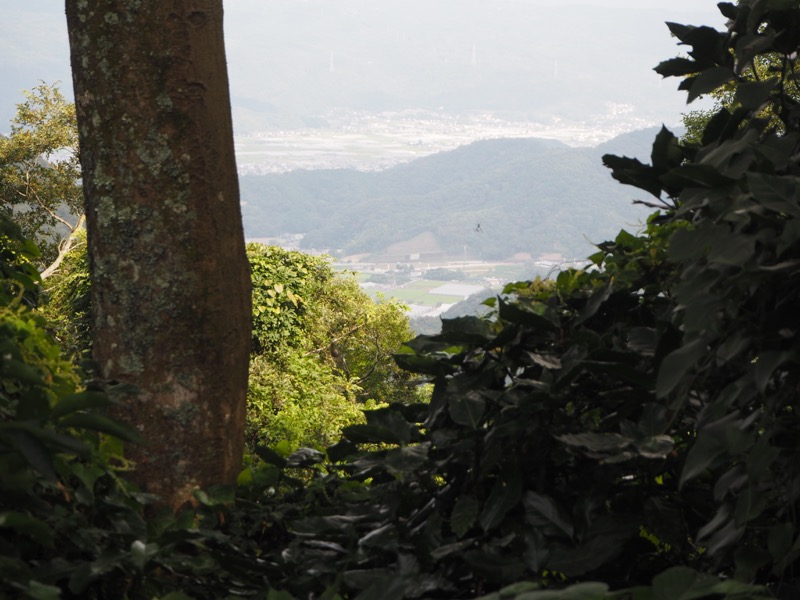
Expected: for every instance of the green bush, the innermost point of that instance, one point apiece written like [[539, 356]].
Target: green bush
[[323, 350], [299, 402]]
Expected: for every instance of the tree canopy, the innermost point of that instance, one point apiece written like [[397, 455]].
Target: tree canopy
[[40, 175]]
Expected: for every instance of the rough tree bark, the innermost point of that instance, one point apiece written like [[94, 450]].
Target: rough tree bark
[[170, 279]]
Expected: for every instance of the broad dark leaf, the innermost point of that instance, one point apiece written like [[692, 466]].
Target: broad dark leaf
[[595, 301], [455, 548], [95, 422], [406, 459], [603, 541], [54, 439], [683, 583], [371, 434], [465, 330], [467, 409], [753, 95], [728, 9], [596, 442], [731, 248], [642, 340], [11, 369], [542, 511], [708, 44], [703, 453], [749, 505], [35, 453], [655, 447], [464, 515], [697, 175], [676, 67], [678, 364], [578, 560], [422, 364], [391, 587], [723, 516], [777, 193], [305, 457], [27, 525], [780, 539], [761, 459], [392, 420], [89, 572], [517, 312], [716, 126], [546, 361], [383, 537], [216, 496], [706, 82], [503, 498], [631, 171], [270, 456], [666, 153], [341, 450], [80, 401], [751, 44], [537, 550], [766, 364]]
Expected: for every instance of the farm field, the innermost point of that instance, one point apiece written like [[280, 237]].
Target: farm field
[[421, 292]]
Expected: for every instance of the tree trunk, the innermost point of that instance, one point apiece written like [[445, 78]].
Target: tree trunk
[[170, 279]]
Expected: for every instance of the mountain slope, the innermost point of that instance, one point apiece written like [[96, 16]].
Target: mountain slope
[[490, 199]]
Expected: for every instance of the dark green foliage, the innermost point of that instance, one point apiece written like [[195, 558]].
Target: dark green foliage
[[57, 468], [19, 276], [738, 256], [542, 450]]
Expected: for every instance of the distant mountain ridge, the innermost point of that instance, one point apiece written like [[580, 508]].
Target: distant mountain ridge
[[489, 200]]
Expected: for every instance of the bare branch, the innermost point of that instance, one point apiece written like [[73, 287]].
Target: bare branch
[[66, 245]]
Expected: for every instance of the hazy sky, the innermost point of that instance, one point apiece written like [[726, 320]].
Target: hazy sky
[[281, 53]]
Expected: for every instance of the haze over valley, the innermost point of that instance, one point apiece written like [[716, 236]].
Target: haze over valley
[[414, 133], [299, 65]]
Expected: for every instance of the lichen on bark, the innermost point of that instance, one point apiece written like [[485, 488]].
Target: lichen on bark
[[170, 280]]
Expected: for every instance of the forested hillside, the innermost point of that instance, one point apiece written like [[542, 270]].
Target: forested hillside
[[562, 198]]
